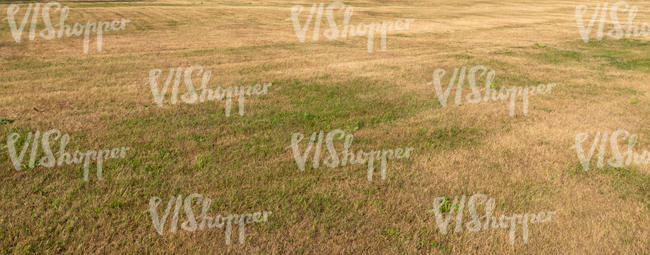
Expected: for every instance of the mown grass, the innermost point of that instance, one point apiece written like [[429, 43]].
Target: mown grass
[[625, 182], [243, 164]]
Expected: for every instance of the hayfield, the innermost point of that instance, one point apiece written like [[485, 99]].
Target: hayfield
[[244, 162]]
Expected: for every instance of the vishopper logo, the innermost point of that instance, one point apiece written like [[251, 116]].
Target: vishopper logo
[[207, 94], [206, 222], [50, 32], [442, 205], [346, 30], [618, 31], [487, 93], [49, 160], [347, 156], [600, 142]]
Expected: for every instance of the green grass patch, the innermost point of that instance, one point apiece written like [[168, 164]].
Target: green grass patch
[[625, 181], [557, 56], [451, 137], [5, 121]]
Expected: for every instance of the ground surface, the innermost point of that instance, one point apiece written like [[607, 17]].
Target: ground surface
[[243, 164]]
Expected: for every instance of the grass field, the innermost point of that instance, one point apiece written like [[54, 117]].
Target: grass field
[[245, 163]]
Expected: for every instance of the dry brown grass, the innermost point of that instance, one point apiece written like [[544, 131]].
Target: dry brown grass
[[524, 162]]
